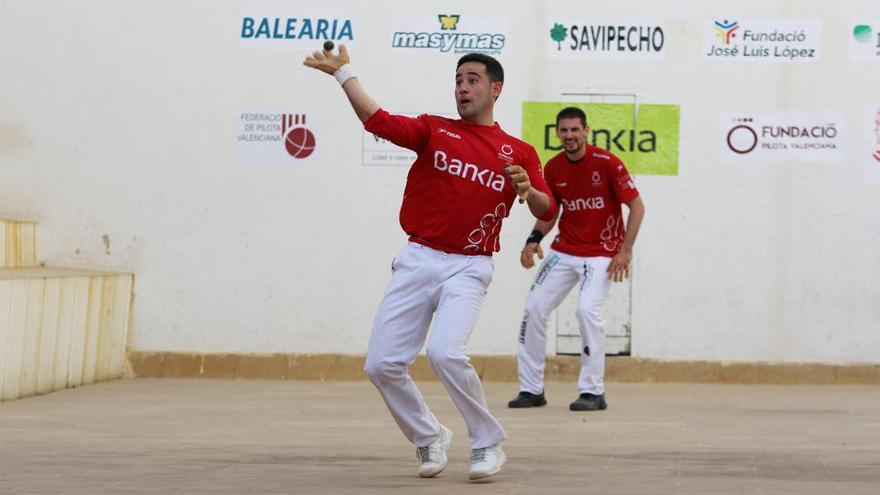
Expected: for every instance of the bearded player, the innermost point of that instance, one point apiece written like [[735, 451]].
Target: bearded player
[[592, 249], [461, 186]]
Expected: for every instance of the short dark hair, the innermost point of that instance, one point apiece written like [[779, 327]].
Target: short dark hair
[[572, 113], [493, 67]]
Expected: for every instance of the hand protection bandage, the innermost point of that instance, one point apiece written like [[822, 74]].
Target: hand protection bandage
[[344, 73]]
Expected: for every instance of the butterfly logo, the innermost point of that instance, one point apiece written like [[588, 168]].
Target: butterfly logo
[[448, 22]]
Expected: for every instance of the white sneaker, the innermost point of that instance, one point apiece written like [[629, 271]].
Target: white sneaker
[[433, 455], [486, 462]]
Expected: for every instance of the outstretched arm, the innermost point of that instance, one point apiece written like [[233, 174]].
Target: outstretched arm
[[339, 66]]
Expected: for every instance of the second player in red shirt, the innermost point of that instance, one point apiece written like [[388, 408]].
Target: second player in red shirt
[[593, 247]]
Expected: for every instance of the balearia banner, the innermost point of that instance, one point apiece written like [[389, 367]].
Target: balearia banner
[[294, 29]]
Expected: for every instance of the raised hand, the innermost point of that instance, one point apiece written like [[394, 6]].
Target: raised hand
[[326, 61]]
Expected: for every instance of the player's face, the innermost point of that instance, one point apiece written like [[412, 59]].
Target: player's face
[[474, 93], [572, 134]]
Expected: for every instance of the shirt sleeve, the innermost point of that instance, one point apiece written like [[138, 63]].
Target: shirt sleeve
[[536, 177], [408, 132], [622, 182]]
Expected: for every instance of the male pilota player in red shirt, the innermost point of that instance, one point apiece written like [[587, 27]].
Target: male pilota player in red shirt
[[592, 249], [459, 189]]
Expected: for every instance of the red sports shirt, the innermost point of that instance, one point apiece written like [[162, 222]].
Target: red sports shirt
[[456, 192], [590, 192]]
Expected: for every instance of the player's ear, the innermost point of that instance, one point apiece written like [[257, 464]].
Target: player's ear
[[496, 89]]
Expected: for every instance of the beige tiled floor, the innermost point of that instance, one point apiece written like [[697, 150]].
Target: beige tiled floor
[[255, 437]]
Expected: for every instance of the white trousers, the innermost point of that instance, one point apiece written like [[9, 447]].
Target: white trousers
[[450, 287], [556, 277]]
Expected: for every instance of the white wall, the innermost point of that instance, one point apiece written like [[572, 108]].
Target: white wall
[[116, 120]]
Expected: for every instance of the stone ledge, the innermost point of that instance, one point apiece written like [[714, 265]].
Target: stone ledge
[[495, 368]]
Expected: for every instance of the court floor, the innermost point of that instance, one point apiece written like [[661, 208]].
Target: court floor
[[310, 437]]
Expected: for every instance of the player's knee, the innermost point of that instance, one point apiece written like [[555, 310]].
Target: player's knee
[[589, 313], [536, 307], [440, 357], [381, 371]]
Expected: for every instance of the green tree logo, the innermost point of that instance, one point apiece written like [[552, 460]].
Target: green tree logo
[[558, 34]]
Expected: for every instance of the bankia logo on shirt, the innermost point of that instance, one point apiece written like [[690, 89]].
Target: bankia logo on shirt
[[449, 33], [294, 30]]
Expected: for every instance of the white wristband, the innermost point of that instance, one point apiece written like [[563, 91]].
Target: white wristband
[[344, 73]]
